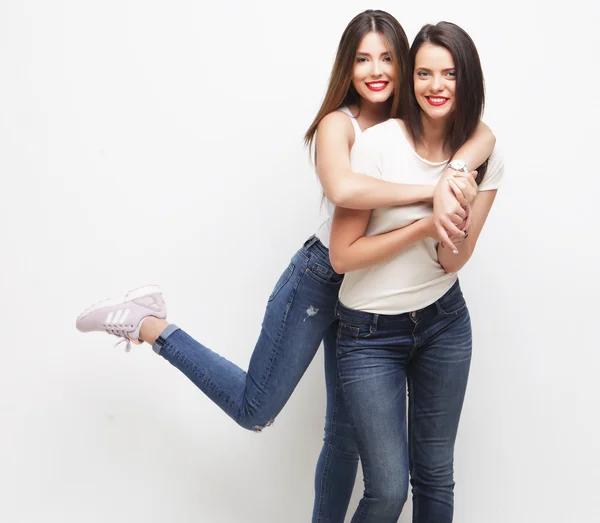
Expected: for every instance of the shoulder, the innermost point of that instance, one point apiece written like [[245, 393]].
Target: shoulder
[[336, 122]]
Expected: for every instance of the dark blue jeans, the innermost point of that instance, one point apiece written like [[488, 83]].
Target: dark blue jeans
[[379, 356], [300, 314]]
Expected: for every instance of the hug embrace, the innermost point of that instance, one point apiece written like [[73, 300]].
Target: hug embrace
[[410, 173]]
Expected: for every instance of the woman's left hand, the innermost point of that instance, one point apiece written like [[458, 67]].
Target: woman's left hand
[[463, 186]]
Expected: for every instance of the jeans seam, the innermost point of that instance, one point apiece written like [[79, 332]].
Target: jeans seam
[[330, 441], [360, 511], [273, 356], [200, 376], [452, 313]]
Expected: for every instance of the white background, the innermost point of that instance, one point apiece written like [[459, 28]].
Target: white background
[[161, 142]]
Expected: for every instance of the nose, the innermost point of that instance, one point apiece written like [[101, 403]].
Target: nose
[[376, 68], [436, 83]]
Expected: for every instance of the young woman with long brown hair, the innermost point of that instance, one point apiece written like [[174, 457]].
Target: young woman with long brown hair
[[404, 323], [363, 91]]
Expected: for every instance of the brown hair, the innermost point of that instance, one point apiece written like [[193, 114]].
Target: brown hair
[[340, 90], [470, 89]]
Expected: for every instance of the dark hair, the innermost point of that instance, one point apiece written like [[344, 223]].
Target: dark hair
[[470, 90], [340, 90]]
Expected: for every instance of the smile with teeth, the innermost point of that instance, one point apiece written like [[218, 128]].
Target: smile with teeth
[[436, 100], [377, 86]]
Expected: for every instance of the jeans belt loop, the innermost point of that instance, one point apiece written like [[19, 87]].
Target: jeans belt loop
[[310, 242]]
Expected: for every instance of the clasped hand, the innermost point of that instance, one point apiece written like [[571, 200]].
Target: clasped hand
[[452, 200]]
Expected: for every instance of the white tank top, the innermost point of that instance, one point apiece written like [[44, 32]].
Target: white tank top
[[324, 231]]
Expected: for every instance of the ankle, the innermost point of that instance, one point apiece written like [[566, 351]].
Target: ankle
[[151, 328]]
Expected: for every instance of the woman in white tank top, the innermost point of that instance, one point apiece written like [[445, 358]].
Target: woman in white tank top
[[300, 314]]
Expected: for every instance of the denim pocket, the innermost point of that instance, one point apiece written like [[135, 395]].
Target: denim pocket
[[355, 331], [283, 279], [451, 303], [324, 274]]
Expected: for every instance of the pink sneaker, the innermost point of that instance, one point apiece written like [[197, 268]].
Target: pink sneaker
[[123, 316]]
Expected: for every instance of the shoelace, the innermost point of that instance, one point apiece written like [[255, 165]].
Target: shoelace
[[124, 338], [127, 346]]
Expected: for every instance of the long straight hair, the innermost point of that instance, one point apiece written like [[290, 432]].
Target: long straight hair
[[340, 90], [470, 89]]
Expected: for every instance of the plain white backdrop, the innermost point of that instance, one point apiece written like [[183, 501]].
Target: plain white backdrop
[[161, 142]]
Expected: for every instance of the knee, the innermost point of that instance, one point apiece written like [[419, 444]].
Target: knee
[[341, 440], [388, 500], [387, 492], [258, 427], [253, 420], [433, 476]]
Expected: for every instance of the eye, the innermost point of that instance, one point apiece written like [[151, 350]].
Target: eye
[[387, 59], [361, 59], [451, 74], [422, 74]]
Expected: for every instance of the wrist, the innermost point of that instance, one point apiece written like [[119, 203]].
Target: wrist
[[458, 165], [414, 193], [427, 192], [443, 189], [427, 228]]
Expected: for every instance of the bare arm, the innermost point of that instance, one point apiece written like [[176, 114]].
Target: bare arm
[[478, 148], [479, 213], [351, 190], [350, 250], [446, 199]]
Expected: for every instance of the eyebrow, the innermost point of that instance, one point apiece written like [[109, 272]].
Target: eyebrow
[[360, 53], [443, 70]]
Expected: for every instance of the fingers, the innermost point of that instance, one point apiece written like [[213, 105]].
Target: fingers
[[445, 239], [468, 187], [458, 192], [457, 220], [467, 225], [461, 212], [451, 228]]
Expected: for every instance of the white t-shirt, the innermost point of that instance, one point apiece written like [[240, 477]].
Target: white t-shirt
[[413, 278], [324, 232]]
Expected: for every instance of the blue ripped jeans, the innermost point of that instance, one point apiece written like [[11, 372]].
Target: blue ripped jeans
[[300, 314], [379, 356]]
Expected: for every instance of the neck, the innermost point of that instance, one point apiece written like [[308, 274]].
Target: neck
[[374, 113], [435, 134]]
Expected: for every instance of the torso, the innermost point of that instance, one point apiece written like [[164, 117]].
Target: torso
[[413, 278]]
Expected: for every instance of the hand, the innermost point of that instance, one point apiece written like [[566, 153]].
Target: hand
[[448, 214], [464, 187]]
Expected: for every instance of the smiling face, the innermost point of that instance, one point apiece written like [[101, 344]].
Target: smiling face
[[374, 69], [435, 81]]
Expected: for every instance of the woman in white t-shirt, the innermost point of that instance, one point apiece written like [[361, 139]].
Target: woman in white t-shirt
[[403, 320], [300, 313]]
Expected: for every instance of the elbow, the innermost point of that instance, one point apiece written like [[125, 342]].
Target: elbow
[[339, 264], [454, 263], [339, 197], [450, 267]]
